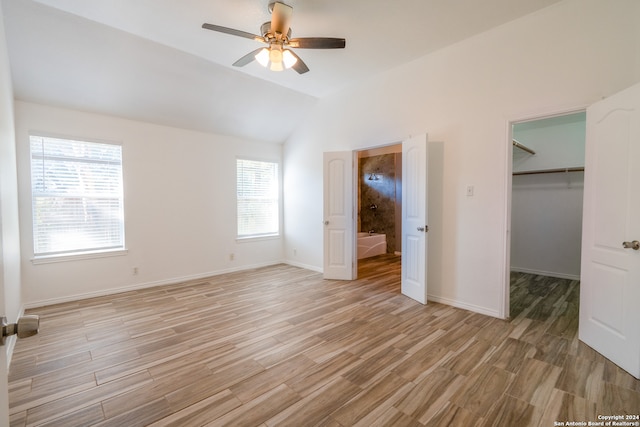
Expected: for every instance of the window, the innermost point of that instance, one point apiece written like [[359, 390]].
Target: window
[[257, 198], [76, 196]]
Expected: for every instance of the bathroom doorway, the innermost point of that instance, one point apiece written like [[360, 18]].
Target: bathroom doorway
[[379, 208]]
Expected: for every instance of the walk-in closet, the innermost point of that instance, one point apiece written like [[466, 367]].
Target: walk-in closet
[[546, 210]]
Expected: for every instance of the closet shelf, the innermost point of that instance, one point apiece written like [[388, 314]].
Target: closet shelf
[[559, 170]]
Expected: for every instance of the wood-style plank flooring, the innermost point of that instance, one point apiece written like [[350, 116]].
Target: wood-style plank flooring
[[281, 346]]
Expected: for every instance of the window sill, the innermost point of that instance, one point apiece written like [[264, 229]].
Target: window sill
[[257, 238], [77, 256]]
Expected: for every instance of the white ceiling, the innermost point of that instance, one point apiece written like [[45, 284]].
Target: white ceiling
[[151, 60]]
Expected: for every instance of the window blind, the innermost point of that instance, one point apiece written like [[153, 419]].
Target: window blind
[[77, 197], [257, 198]]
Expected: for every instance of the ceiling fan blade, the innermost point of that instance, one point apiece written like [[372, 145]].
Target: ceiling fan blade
[[247, 58], [299, 66], [232, 31], [281, 18], [318, 43]]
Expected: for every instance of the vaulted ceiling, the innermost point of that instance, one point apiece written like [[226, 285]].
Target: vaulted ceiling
[[150, 60]]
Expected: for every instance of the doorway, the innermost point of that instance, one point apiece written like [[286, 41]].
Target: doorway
[[546, 204], [341, 223], [379, 209]]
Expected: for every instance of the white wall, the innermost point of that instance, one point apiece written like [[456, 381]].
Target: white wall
[[559, 142], [563, 57], [10, 300], [546, 224], [180, 209]]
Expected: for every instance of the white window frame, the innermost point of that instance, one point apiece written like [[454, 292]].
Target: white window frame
[[278, 202], [80, 251]]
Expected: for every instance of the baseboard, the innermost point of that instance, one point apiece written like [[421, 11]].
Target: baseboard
[[138, 286], [10, 343], [305, 266], [545, 273], [464, 305]]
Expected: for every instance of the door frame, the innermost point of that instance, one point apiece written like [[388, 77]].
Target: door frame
[[504, 312]]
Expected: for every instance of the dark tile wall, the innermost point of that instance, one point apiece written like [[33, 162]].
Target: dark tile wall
[[378, 186]]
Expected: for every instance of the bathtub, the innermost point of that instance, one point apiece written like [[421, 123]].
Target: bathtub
[[371, 244]]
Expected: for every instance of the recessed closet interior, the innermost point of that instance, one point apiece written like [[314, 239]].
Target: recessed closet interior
[[546, 197]]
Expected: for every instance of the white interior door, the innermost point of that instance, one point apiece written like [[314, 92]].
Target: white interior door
[[4, 387], [338, 216], [414, 218], [610, 280]]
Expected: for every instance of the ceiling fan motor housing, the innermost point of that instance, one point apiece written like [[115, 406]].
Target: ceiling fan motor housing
[[272, 5], [265, 30]]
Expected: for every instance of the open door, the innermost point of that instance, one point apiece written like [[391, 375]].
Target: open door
[[610, 280], [414, 218], [338, 216], [4, 386], [4, 381]]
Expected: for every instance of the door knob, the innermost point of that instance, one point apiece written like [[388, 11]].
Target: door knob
[[420, 228], [26, 327], [326, 222], [635, 245]]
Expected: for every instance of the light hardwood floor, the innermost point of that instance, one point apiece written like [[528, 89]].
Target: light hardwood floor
[[281, 346]]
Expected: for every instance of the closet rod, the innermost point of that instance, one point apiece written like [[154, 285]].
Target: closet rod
[[536, 172], [523, 147]]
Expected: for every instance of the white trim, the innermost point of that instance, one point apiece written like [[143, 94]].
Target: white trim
[[506, 234], [545, 273], [49, 259], [355, 202], [305, 266], [138, 286], [505, 294], [464, 306], [54, 135], [10, 342], [556, 112], [258, 238], [10, 345]]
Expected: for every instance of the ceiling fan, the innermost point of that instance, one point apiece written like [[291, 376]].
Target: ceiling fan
[[277, 35]]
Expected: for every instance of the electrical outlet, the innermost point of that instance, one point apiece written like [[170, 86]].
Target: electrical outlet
[[295, 251], [232, 256], [469, 190], [134, 271]]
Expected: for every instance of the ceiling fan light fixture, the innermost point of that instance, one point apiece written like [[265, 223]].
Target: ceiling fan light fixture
[[275, 58], [276, 66], [263, 57], [289, 59], [275, 54], [277, 35]]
